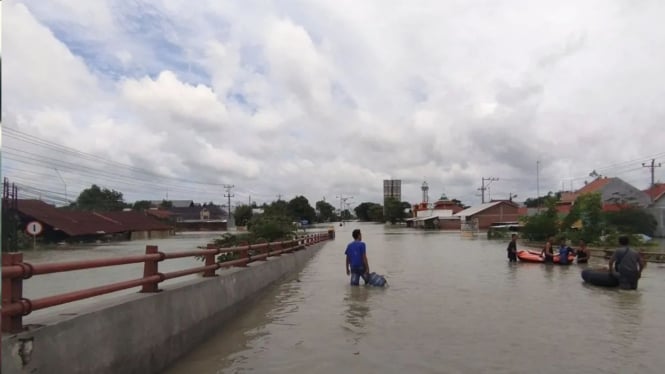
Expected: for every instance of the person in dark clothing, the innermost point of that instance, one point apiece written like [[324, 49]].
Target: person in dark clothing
[[627, 264], [356, 259], [583, 253], [512, 249], [547, 251]]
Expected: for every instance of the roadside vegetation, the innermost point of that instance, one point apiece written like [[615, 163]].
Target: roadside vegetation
[[588, 221]]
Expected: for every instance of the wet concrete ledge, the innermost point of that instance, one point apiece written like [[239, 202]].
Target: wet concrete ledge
[[143, 333]]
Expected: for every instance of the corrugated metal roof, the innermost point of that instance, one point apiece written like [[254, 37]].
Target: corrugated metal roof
[[78, 223], [73, 223], [477, 209], [135, 221]]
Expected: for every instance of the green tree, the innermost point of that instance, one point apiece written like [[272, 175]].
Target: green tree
[[300, 209], [242, 214], [346, 215], [326, 211], [459, 203], [588, 210], [376, 213], [542, 200], [272, 227], [394, 211], [100, 199], [631, 220], [166, 204], [544, 224], [141, 205], [277, 208], [362, 211]]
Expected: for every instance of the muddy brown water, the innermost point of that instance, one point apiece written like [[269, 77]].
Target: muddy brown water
[[454, 305]]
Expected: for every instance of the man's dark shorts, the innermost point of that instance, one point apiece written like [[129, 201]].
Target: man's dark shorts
[[356, 274]]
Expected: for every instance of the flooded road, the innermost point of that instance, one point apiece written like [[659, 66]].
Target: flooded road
[[454, 305], [57, 283]]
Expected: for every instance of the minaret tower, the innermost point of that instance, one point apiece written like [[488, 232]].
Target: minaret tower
[[425, 189]]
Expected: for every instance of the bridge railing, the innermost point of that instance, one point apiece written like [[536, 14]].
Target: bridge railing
[[15, 271]]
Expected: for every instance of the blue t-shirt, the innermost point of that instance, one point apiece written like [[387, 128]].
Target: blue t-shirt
[[563, 254], [355, 252]]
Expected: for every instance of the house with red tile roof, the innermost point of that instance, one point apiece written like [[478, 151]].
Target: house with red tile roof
[[656, 193], [657, 208], [615, 193]]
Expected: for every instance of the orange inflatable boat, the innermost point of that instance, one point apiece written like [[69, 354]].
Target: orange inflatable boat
[[534, 256]]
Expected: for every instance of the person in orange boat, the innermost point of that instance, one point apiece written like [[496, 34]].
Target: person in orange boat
[[548, 251]]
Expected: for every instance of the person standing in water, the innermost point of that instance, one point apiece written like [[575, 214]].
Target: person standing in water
[[512, 249], [583, 253], [356, 259], [547, 251], [629, 265], [564, 250]]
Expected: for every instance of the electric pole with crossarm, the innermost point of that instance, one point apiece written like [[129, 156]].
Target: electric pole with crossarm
[[228, 195], [652, 167]]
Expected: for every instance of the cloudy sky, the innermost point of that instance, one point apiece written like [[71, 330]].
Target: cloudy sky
[[324, 98]]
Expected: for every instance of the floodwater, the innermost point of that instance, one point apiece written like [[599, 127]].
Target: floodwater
[[58, 283], [454, 305]]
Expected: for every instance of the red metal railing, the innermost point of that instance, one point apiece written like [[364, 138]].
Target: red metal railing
[[14, 271]]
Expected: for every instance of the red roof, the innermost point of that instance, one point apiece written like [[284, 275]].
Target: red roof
[[77, 223], [163, 214], [568, 197], [594, 186], [656, 192]]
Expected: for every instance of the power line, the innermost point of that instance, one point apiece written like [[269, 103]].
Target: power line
[[484, 187], [652, 167], [27, 138]]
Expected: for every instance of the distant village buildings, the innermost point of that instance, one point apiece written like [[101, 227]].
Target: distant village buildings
[[615, 194], [67, 225]]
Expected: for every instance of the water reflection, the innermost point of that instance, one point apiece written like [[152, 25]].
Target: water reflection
[[356, 302], [626, 317]]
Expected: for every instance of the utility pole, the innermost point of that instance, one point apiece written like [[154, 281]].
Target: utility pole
[[652, 167], [538, 185], [228, 195], [342, 201], [483, 187], [537, 179]]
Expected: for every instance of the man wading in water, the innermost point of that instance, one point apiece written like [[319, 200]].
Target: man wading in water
[[628, 264], [356, 259]]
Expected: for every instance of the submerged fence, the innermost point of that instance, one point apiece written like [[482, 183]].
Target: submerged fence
[[15, 271]]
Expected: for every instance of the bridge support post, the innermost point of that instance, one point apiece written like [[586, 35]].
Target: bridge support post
[[150, 267], [210, 260], [12, 292]]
